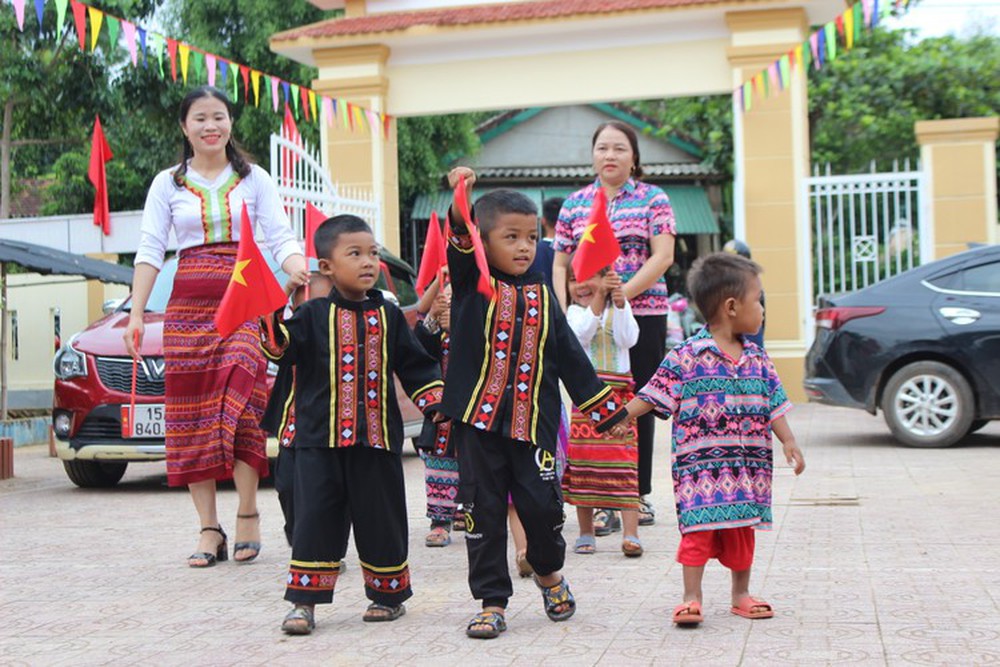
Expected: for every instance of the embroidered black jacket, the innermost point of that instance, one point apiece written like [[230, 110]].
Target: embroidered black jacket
[[345, 353], [508, 354]]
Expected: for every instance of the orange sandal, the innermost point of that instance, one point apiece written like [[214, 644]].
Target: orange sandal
[[688, 613], [747, 606]]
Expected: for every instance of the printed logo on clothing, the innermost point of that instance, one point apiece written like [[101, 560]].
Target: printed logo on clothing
[[546, 463]]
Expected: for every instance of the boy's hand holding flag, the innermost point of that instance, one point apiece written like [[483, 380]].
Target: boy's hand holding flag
[[461, 200], [598, 247], [253, 290]]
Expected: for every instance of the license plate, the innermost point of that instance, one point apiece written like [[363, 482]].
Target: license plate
[[146, 423]]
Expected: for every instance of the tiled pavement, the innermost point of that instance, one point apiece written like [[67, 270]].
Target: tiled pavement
[[881, 555]]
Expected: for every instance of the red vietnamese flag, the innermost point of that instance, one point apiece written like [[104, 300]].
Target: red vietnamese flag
[[598, 247], [100, 153], [253, 290], [314, 218], [462, 204], [435, 254]]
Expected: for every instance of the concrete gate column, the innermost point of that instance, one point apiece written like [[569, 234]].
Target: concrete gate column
[[771, 154], [959, 157], [357, 158]]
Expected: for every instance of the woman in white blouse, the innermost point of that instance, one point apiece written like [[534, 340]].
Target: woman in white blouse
[[215, 387]]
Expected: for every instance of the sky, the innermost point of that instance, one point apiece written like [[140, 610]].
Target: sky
[[933, 18]]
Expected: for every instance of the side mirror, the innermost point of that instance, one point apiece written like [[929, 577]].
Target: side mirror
[[111, 305]]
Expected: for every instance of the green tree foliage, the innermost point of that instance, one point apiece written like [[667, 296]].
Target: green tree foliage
[[239, 31], [427, 145], [863, 105], [706, 121], [50, 90]]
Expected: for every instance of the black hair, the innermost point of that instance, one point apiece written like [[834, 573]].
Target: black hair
[[237, 157], [550, 210], [717, 277], [633, 141], [328, 233], [492, 205]]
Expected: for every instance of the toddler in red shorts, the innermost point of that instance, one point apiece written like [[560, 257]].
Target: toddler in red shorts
[[725, 399]]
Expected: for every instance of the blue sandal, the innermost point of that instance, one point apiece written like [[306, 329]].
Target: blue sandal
[[494, 621], [585, 544], [555, 597]]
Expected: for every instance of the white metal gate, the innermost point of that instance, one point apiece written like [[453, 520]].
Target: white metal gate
[[865, 227], [301, 178]]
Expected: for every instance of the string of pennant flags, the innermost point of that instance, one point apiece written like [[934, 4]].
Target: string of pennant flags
[[820, 48], [177, 59]]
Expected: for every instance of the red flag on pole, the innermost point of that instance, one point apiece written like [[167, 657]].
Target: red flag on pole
[[462, 204], [598, 247], [253, 290], [314, 218], [100, 153], [435, 254]]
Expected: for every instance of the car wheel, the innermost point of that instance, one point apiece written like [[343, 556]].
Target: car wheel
[[928, 404], [94, 474], [976, 425]]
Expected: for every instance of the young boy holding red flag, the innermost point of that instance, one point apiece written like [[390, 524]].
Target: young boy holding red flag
[[502, 394], [349, 431]]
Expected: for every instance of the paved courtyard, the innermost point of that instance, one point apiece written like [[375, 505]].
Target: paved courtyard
[[881, 555]]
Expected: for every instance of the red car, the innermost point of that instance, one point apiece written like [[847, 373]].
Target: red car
[[94, 382]]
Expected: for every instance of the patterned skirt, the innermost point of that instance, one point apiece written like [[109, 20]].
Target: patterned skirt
[[216, 388], [602, 471]]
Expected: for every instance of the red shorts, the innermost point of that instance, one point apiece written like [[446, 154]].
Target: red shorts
[[732, 546]]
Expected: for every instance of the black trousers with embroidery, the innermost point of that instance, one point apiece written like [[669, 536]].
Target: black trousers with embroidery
[[645, 357], [333, 489], [491, 466]]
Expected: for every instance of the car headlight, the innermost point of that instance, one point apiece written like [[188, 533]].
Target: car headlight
[[69, 363]]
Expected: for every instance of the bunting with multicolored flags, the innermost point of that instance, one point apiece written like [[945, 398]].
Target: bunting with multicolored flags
[[822, 46], [197, 66]]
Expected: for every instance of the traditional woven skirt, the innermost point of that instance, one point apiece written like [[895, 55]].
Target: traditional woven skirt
[[602, 471], [216, 388]]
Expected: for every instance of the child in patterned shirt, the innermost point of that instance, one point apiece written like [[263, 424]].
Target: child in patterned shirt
[[725, 399]]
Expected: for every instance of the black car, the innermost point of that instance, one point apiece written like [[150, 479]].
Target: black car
[[922, 346]]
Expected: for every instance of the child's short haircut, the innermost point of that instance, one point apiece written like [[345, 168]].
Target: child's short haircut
[[551, 208], [717, 277], [492, 205], [328, 233]]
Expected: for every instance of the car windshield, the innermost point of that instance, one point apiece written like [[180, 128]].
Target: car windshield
[[164, 285]]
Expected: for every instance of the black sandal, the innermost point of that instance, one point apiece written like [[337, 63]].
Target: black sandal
[[493, 619], [391, 613], [246, 546], [292, 624], [221, 552], [556, 596]]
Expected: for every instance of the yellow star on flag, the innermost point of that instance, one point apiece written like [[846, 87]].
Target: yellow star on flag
[[587, 236], [238, 272]]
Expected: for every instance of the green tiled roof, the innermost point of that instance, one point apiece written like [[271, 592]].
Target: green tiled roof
[[691, 208]]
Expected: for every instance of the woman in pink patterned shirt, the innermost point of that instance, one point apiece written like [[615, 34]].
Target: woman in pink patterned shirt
[[643, 222]]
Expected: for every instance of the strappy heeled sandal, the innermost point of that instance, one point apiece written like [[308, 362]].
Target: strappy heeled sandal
[[221, 552], [247, 546]]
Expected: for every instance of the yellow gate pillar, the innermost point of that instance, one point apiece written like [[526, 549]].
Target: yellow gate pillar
[[771, 154], [357, 158], [959, 157]]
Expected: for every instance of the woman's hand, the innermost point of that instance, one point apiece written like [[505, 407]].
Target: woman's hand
[[134, 332], [296, 279]]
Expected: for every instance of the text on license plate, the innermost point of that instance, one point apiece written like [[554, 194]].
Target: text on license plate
[[146, 423]]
